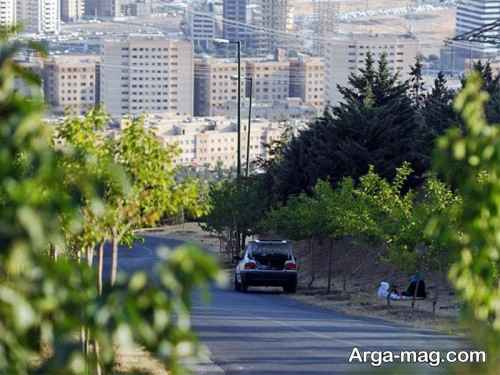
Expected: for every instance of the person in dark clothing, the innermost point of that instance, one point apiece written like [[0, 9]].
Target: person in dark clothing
[[418, 283]]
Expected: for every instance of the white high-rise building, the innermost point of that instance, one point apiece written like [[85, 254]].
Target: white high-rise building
[[72, 10], [472, 14], [147, 74], [39, 16], [7, 12]]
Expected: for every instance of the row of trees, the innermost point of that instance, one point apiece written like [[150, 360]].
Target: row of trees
[[381, 121], [378, 210], [63, 195]]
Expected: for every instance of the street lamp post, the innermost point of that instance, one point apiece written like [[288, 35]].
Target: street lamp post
[[250, 80]]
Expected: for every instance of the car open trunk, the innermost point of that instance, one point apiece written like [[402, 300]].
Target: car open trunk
[[271, 256]]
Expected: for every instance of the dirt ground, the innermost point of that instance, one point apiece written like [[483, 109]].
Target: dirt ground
[[358, 269]]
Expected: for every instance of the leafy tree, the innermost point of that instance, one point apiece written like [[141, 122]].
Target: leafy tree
[[46, 196], [300, 219], [236, 208], [471, 161], [336, 217], [154, 191]]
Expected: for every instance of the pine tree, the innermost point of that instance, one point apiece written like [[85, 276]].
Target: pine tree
[[417, 86], [438, 107], [491, 85], [374, 124]]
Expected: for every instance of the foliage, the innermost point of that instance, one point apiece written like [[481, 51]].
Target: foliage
[[400, 218], [375, 124], [50, 197], [471, 161], [490, 83], [236, 208]]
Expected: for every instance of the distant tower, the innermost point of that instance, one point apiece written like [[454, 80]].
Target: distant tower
[[72, 10], [472, 14], [39, 16], [7, 12], [325, 21], [235, 16], [275, 17]]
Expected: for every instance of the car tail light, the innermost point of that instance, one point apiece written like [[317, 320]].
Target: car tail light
[[289, 265], [250, 265]]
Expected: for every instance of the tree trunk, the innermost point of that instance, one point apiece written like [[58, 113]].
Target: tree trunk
[[330, 267], [243, 241], [100, 267], [90, 255], [97, 358], [114, 259], [436, 292], [313, 270]]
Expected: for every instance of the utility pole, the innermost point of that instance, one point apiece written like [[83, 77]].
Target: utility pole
[[249, 124], [238, 117]]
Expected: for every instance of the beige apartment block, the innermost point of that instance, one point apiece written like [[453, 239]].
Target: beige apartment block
[[147, 74], [271, 78], [212, 141], [307, 80], [70, 83], [346, 54], [216, 85]]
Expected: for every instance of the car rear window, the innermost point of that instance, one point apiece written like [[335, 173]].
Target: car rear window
[[271, 249]]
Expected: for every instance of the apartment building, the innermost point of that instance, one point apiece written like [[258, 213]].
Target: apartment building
[[270, 77], [325, 23], [70, 83], [216, 85], [274, 17], [308, 81], [346, 54], [209, 141], [72, 10], [202, 25], [7, 12], [103, 8], [235, 16], [35, 65], [296, 85], [147, 74], [470, 15], [39, 16]]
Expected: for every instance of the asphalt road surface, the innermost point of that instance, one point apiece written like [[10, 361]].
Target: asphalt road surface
[[264, 332]]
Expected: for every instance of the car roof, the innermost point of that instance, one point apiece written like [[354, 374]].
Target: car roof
[[269, 242]]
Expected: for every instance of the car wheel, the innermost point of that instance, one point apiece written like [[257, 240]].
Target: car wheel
[[290, 288], [243, 287], [237, 285]]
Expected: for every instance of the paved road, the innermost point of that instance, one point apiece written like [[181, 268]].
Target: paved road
[[268, 333]]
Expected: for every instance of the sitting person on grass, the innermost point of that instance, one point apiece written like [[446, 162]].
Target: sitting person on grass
[[416, 287]]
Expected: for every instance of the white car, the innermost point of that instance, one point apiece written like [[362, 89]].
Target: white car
[[267, 263]]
